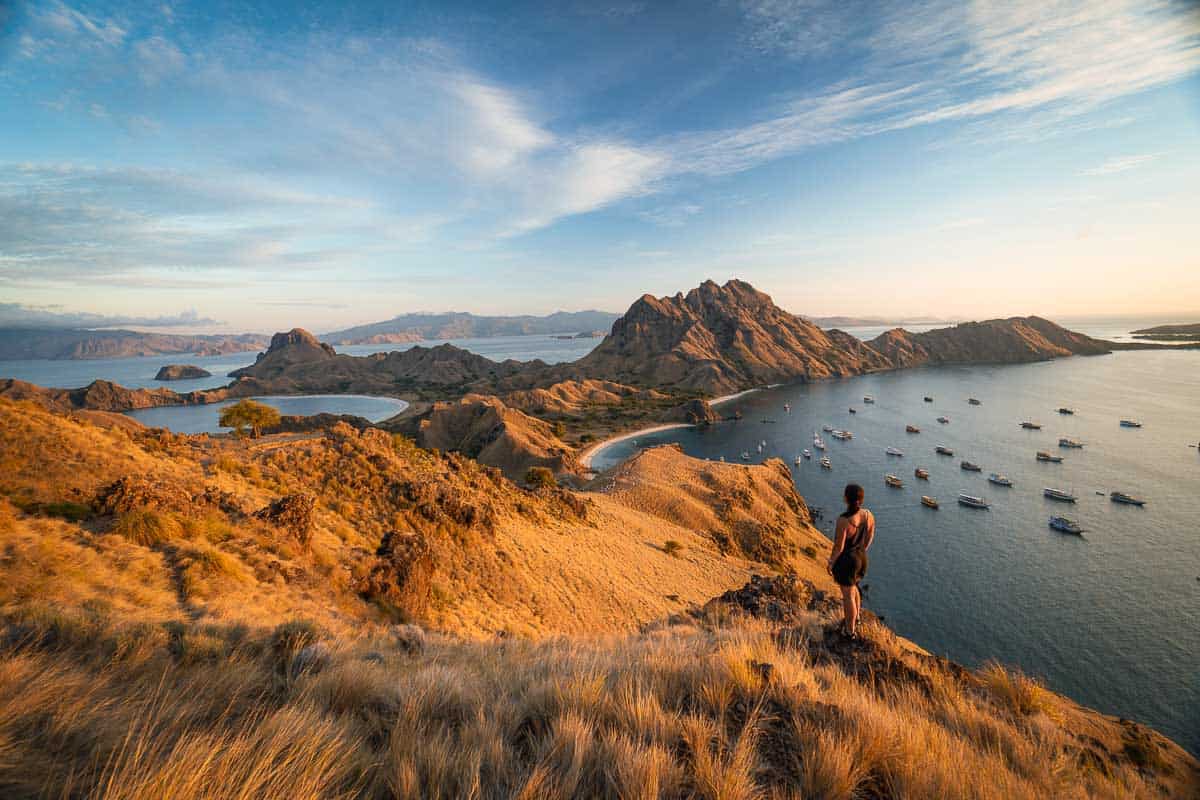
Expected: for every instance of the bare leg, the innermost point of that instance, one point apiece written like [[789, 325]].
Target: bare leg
[[857, 598], [850, 614]]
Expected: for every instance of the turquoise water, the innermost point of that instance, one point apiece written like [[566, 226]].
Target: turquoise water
[[1111, 619], [203, 419]]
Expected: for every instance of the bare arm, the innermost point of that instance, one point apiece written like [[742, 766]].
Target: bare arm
[[870, 531], [839, 541]]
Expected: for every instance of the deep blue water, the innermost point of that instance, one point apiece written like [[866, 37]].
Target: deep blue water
[[1111, 619], [203, 418]]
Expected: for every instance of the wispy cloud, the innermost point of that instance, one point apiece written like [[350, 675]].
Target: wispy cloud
[[18, 315], [1120, 164]]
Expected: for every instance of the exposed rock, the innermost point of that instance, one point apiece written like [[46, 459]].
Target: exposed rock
[[181, 372], [401, 574], [293, 513], [1013, 340], [693, 412], [779, 599], [296, 347]]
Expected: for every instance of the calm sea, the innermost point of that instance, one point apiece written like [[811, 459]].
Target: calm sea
[[1111, 619]]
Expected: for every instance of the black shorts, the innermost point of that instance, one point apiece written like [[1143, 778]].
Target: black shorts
[[850, 567]]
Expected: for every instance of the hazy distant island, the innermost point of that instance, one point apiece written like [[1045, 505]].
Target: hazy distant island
[[30, 343], [464, 325], [1170, 333]]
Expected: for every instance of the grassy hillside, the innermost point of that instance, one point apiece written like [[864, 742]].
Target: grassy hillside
[[342, 614]]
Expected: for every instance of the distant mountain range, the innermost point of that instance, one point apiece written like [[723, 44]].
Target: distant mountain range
[[71, 343], [464, 325]]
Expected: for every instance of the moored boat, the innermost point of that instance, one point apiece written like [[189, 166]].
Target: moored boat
[[1031, 426], [826, 463], [868, 399], [928, 501], [1130, 423], [893, 481], [806, 453], [970, 466], [843, 435], [974, 402], [1129, 500], [999, 479], [928, 399], [818, 444], [745, 456], [1042, 455], [1065, 410], [827, 428], [942, 450], [891, 451], [798, 461], [923, 474], [911, 429], [944, 420], [1059, 494], [973, 501], [853, 410], [1067, 442], [1065, 525]]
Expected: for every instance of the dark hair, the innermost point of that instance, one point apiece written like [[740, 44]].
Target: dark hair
[[854, 495]]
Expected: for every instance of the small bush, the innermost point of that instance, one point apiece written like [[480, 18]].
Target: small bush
[[672, 548], [540, 478], [292, 637], [1016, 691], [146, 527], [75, 512]]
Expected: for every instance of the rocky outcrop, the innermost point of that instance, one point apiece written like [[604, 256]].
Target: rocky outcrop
[[401, 577], [485, 429], [181, 372], [293, 513], [693, 412], [103, 396], [297, 347], [716, 339]]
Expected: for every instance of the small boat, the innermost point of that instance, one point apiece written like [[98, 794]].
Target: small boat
[[843, 435], [970, 466], [999, 479], [928, 501], [923, 474], [891, 451], [817, 443], [760, 448], [1130, 423], [1065, 525], [911, 429], [973, 501], [1065, 442], [745, 456], [763, 443], [827, 428], [853, 410], [974, 402], [928, 399], [942, 450], [806, 453], [944, 420], [798, 461], [868, 399], [787, 408], [826, 463], [1042, 455], [1059, 494], [1065, 410], [1031, 426], [1129, 500], [893, 481]]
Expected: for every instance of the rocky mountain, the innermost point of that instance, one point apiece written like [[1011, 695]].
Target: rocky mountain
[[719, 339], [297, 362], [181, 372], [996, 341], [572, 396], [104, 396], [462, 325], [61, 344]]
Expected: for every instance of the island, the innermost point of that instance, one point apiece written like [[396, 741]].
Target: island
[[1170, 333], [181, 372]]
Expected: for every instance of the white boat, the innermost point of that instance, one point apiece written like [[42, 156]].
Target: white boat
[[1042, 455], [843, 435], [891, 451], [1065, 525], [827, 428], [760, 448], [787, 409], [826, 463], [868, 399], [806, 453], [1059, 494], [973, 501], [745, 456], [999, 479], [798, 461], [1067, 442], [893, 481], [1130, 423], [817, 443]]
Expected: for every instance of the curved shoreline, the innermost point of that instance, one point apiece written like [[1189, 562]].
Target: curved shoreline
[[585, 458]]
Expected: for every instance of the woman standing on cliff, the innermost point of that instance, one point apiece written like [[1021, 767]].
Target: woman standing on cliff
[[848, 562]]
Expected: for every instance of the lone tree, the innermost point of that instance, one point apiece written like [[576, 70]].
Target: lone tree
[[248, 414]]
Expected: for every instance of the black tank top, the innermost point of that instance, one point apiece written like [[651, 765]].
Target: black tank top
[[856, 538]]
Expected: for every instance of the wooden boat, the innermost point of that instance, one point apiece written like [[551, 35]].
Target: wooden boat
[[1129, 500], [869, 400], [1059, 494], [893, 481], [1066, 442], [923, 474], [999, 479], [1042, 455], [1065, 410], [974, 402], [892, 451], [826, 463], [1065, 525], [970, 466], [944, 420], [942, 450], [1031, 426], [928, 399], [928, 501], [1130, 423], [911, 429]]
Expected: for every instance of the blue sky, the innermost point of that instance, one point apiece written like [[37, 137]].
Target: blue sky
[[319, 164]]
